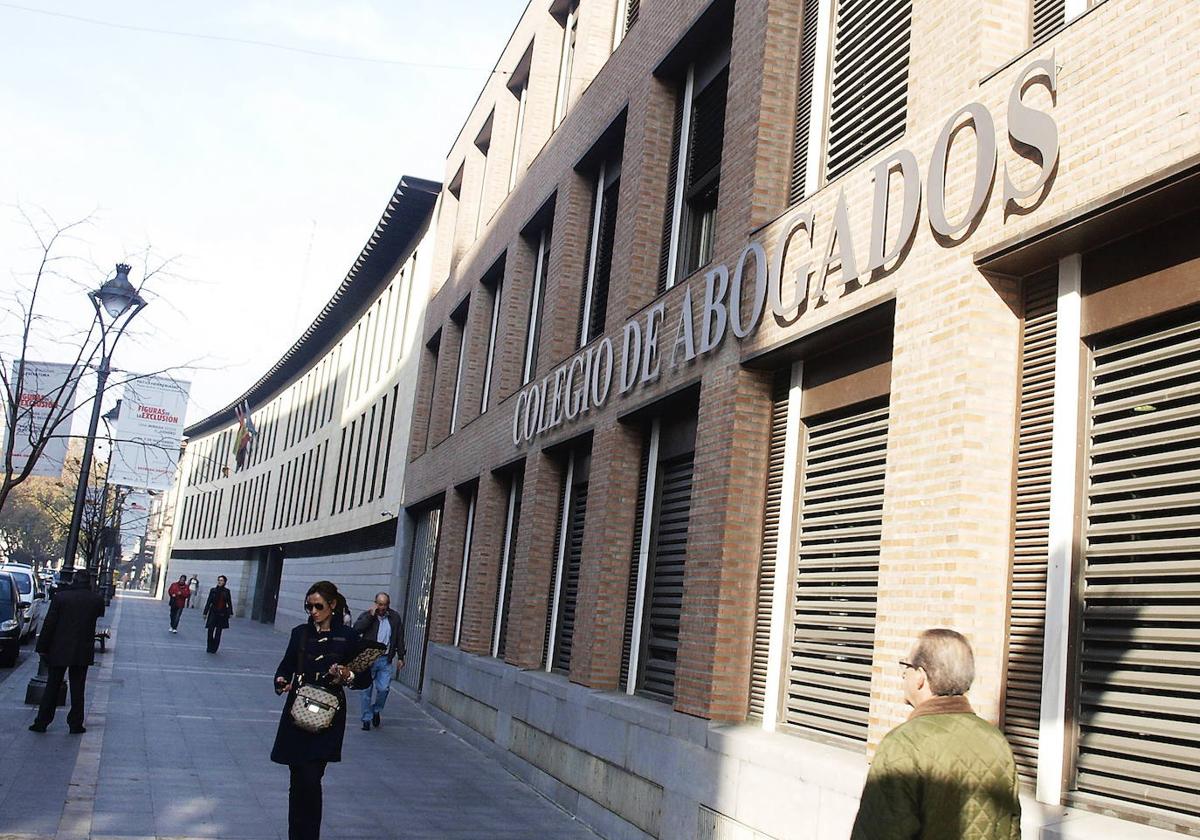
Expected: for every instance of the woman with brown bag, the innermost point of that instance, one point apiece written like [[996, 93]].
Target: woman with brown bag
[[316, 657]]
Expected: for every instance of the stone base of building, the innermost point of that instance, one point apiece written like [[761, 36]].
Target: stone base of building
[[630, 768]]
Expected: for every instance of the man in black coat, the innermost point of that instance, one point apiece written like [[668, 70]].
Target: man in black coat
[[68, 645]]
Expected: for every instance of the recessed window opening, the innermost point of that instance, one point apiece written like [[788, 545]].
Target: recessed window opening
[[600, 251], [483, 143], [497, 290], [518, 86], [566, 65], [466, 562], [512, 518], [459, 319], [533, 324]]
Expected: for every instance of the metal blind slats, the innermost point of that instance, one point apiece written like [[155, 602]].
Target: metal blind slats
[[804, 98], [837, 573], [664, 257], [664, 601], [1031, 536], [639, 512], [1049, 16], [708, 131], [1138, 698], [632, 8], [869, 92], [564, 636]]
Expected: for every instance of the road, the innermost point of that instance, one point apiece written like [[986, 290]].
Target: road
[[178, 743]]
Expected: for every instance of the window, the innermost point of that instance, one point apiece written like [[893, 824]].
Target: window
[[663, 511], [494, 278], [627, 15], [1049, 17], [459, 319], [566, 65], [466, 563], [518, 86], [512, 521], [868, 103], [533, 324], [601, 236], [483, 143], [694, 174], [564, 588]]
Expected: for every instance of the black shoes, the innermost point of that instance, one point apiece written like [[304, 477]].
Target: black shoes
[[375, 719], [366, 726], [37, 727], [78, 730]]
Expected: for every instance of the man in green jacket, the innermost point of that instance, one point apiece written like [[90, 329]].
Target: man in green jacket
[[945, 773]]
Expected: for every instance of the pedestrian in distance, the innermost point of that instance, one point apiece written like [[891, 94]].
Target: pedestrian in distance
[[384, 626], [316, 655], [194, 591], [177, 598], [67, 643], [945, 772], [218, 609]]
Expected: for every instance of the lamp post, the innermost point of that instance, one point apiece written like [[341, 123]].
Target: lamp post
[[121, 303], [100, 548], [119, 300]]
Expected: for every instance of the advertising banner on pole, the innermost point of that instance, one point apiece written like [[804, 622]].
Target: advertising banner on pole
[[47, 393], [149, 429]]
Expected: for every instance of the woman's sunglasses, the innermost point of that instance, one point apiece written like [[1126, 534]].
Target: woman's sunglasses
[[308, 605]]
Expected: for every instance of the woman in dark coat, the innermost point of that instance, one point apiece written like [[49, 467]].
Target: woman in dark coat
[[218, 609], [327, 644]]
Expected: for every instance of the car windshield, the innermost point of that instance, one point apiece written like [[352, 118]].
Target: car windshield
[[6, 597]]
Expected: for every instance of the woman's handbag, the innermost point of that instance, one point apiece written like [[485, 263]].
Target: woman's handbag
[[366, 657], [313, 707]]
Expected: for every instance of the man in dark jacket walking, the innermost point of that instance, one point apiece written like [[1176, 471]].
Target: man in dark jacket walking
[[945, 772], [217, 610], [383, 625], [68, 644]]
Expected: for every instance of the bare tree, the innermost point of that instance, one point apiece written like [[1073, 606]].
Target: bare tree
[[24, 325]]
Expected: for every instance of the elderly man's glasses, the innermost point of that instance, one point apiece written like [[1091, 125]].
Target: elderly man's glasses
[[907, 665]]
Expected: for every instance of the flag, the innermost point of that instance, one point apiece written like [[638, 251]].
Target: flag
[[245, 434]]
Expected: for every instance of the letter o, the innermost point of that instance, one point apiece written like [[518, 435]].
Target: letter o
[[985, 169], [760, 291]]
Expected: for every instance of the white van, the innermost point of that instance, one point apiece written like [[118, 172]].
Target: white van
[[32, 594]]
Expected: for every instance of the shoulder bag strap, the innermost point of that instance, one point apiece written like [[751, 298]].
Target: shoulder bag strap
[[300, 657]]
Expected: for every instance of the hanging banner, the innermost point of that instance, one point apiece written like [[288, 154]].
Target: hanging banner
[[149, 430], [47, 393]]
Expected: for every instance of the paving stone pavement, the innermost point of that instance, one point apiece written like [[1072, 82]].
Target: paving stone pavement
[[178, 746]]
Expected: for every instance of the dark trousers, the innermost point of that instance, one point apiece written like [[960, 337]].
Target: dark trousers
[[304, 801], [214, 638], [175, 613], [78, 677]]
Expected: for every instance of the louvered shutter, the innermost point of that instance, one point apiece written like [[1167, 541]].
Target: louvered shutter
[[770, 545], [558, 519], [837, 572], [707, 134], [564, 634], [1031, 532], [632, 8], [664, 257], [506, 606], [804, 97], [639, 513], [604, 256], [664, 600], [869, 95], [416, 602], [1049, 16], [1138, 707]]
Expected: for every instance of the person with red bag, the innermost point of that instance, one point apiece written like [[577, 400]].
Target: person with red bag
[[177, 598]]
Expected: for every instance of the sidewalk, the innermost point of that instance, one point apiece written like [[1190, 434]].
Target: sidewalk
[[178, 746]]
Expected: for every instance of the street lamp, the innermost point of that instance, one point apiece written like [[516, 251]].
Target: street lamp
[[119, 301]]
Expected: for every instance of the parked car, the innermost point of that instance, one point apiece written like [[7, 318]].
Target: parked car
[[32, 595], [12, 625]]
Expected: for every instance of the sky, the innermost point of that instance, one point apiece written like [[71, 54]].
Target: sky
[[255, 171]]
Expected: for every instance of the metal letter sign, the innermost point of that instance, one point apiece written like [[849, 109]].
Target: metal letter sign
[[1033, 135], [148, 433], [47, 392]]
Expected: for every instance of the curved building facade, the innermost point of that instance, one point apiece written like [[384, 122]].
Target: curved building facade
[[766, 335], [318, 491]]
